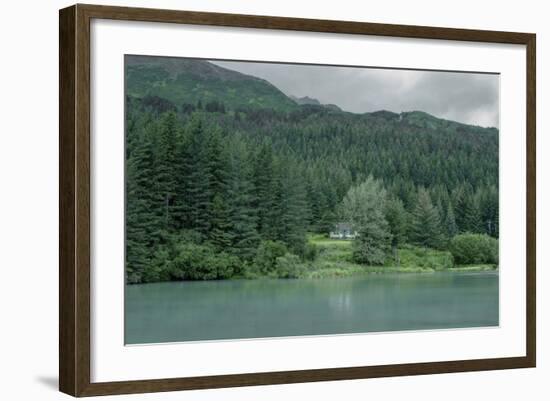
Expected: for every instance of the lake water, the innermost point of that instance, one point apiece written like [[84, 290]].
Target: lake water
[[233, 309]]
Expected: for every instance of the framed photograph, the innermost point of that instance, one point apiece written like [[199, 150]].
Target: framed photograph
[[249, 200]]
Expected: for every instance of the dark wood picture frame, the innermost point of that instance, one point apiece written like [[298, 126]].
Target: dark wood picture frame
[[74, 200]]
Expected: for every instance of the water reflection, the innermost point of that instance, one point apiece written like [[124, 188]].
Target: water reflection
[[185, 311]]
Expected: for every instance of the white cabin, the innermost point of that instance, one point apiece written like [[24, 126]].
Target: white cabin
[[343, 231]]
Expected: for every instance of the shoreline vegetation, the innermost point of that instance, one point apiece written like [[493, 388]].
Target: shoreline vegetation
[[335, 260], [329, 258], [227, 177]]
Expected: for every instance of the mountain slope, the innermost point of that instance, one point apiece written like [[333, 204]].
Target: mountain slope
[[188, 81], [305, 100]]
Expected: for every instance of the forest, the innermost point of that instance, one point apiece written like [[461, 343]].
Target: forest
[[217, 189]]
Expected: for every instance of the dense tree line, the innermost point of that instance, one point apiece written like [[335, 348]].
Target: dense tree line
[[232, 186], [188, 183], [382, 222]]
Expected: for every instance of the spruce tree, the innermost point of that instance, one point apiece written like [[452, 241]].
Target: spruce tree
[[181, 209], [294, 207], [488, 204], [164, 180], [328, 199], [140, 218], [217, 213], [472, 216], [450, 223], [425, 225], [274, 216], [265, 197], [459, 201], [242, 215], [220, 231], [217, 162], [198, 176], [397, 221]]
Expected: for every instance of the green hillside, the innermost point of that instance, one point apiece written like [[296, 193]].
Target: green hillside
[[188, 81]]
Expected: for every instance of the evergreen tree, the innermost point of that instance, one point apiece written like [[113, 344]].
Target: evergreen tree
[[315, 202], [198, 177], [488, 204], [467, 213], [140, 220], [163, 180], [182, 206], [294, 208], [397, 221], [472, 216], [450, 223], [275, 214], [217, 213], [265, 197], [217, 162], [425, 226], [497, 224], [440, 211], [242, 214], [328, 209], [220, 232]]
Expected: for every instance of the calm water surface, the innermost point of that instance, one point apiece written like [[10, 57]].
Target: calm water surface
[[213, 310]]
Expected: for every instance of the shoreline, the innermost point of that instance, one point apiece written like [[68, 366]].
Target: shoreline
[[365, 271], [329, 273]]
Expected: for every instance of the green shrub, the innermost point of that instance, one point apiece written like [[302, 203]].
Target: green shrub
[[160, 268], [289, 266], [201, 262], [310, 251], [412, 257], [420, 252], [266, 256], [445, 262], [474, 248], [371, 249]]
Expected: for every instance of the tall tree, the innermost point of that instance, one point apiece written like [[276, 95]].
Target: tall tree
[[140, 219], [242, 215], [293, 222], [163, 180], [217, 212], [220, 231], [397, 221], [450, 227], [488, 204], [426, 225], [472, 216], [265, 200], [363, 207], [198, 177]]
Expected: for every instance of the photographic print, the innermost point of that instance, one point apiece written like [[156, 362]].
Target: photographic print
[[275, 200]]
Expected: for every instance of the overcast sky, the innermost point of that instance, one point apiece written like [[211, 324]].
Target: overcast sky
[[465, 97]]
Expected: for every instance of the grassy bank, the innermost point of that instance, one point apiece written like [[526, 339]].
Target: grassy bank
[[334, 259]]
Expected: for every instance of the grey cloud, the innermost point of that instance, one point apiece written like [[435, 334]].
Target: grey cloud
[[471, 98]]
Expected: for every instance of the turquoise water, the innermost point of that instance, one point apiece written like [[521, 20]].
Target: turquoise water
[[233, 309]]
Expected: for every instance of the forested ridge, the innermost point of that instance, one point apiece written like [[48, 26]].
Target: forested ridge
[[219, 188]]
